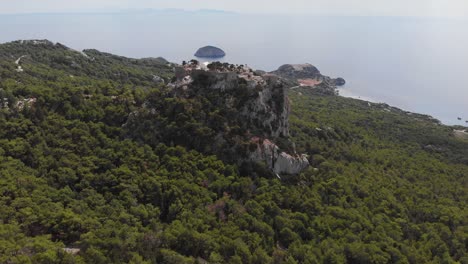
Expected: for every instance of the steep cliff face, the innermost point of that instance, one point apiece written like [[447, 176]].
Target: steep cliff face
[[278, 161], [260, 102], [257, 103]]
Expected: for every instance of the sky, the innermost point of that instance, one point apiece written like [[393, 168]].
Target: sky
[[424, 8]]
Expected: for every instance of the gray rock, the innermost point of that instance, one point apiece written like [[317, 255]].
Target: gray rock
[[157, 79], [278, 161]]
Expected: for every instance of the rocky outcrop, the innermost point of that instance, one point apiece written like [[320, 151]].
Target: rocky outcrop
[[210, 52], [37, 42], [72, 251], [279, 161], [19, 105], [259, 106], [261, 102], [27, 102]]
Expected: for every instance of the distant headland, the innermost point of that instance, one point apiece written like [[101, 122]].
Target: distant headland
[[210, 52]]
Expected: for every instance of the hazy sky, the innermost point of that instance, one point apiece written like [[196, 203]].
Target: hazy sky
[[440, 8]]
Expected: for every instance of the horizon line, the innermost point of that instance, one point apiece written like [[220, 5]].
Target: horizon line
[[220, 11]]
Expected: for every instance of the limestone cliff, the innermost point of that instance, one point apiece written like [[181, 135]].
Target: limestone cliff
[[279, 161], [260, 107], [261, 101]]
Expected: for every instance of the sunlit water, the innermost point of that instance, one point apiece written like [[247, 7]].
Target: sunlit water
[[419, 65]]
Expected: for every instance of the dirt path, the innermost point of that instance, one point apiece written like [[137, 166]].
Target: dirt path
[[17, 62]]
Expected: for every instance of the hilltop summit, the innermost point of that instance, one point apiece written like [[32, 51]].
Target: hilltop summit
[[248, 115]]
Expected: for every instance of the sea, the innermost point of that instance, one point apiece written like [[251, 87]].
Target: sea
[[417, 64]]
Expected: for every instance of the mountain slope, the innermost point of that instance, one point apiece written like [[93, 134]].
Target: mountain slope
[[36, 57], [384, 186]]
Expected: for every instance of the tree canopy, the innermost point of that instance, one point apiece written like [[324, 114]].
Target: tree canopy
[[384, 186]]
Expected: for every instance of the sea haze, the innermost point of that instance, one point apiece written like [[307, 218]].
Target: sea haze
[[418, 64]]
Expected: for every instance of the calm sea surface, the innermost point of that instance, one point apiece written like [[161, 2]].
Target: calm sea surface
[[420, 65]]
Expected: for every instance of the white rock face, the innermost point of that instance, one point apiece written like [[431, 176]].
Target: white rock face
[[72, 251], [279, 162], [287, 164], [27, 102], [17, 62]]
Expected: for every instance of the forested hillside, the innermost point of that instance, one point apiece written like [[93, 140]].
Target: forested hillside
[[76, 186]]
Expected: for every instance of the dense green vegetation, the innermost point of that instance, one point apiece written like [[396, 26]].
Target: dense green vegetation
[[384, 186], [383, 189]]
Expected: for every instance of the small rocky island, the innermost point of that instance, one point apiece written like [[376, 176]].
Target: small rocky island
[[210, 52]]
